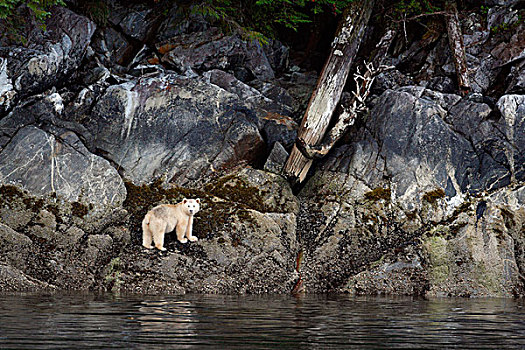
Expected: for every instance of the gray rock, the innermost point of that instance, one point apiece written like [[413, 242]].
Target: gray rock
[[247, 242], [14, 280], [172, 127], [277, 54], [412, 166], [137, 24], [273, 111], [517, 79], [53, 61], [403, 274], [208, 50], [500, 15], [112, 47], [98, 249], [15, 248], [177, 24], [251, 97], [43, 163], [45, 226], [299, 85], [276, 159], [512, 124], [478, 255]]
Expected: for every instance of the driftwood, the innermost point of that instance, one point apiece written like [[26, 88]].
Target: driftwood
[[351, 110], [455, 40], [356, 105], [327, 93]]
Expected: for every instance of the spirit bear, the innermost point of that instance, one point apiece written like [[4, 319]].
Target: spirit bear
[[164, 218]]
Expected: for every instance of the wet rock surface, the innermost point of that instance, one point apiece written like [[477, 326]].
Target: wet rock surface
[[98, 124]]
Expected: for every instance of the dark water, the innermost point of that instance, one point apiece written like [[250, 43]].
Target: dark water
[[252, 322]]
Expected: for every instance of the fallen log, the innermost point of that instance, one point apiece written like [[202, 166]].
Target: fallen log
[[455, 40], [356, 104], [327, 93]]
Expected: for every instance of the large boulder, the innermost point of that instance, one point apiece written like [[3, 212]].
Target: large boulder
[[44, 163], [46, 242], [49, 60], [246, 229], [172, 127], [273, 111], [211, 49]]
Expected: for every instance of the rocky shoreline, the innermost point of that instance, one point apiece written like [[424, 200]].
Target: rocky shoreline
[[424, 196]]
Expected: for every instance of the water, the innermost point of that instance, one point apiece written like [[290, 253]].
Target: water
[[65, 321]]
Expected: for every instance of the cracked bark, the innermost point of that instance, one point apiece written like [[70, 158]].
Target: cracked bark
[[329, 87], [455, 40]]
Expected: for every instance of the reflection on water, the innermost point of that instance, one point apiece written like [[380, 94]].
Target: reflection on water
[[253, 322]]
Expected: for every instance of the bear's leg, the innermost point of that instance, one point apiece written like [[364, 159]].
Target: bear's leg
[[158, 229], [146, 235], [181, 230], [189, 230]]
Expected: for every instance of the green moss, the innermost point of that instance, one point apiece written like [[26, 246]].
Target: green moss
[[112, 276], [53, 209], [440, 231], [436, 248], [411, 215], [432, 196], [378, 194], [236, 190], [214, 215], [10, 194], [487, 279]]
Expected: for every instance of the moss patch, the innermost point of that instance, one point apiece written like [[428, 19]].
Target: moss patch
[[236, 190], [112, 277], [215, 214], [432, 196], [378, 194], [436, 248], [79, 209]]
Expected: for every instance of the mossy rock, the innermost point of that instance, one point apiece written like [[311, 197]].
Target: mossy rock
[[433, 196], [379, 193]]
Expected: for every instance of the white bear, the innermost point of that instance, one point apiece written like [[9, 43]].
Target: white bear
[[164, 218]]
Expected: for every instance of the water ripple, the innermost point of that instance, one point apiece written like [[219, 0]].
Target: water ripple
[[67, 321]]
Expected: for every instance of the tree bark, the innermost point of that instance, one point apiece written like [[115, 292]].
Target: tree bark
[[356, 104], [327, 93], [455, 40]]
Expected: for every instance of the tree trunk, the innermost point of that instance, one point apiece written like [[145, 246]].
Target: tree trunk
[[356, 104], [455, 40], [327, 93]]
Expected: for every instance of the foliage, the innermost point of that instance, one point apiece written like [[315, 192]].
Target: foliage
[[96, 10], [263, 18], [39, 8], [13, 16], [509, 27], [409, 8]]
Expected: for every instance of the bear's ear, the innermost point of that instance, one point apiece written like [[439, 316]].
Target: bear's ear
[[198, 200], [184, 200]]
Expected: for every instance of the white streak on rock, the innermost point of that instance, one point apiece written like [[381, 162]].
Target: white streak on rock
[[6, 87], [57, 101], [508, 106]]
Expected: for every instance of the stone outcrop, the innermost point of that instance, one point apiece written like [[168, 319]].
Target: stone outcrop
[[170, 127], [43, 163], [412, 169], [49, 61]]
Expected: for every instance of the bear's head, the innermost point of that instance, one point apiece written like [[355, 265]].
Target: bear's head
[[191, 206]]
